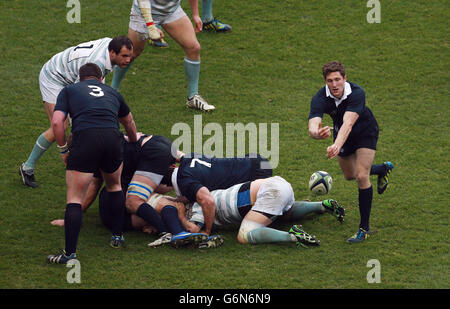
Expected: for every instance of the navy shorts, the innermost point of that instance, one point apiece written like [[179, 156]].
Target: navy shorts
[[96, 148], [156, 158], [368, 139]]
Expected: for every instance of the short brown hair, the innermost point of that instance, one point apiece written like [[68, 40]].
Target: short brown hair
[[90, 69], [333, 66]]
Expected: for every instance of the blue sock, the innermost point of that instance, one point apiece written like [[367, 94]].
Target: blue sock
[[268, 235], [41, 146], [72, 226], [169, 215], [118, 75], [365, 205], [207, 14], [192, 70], [378, 169], [146, 212], [116, 204]]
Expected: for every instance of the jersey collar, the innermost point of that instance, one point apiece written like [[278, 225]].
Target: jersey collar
[[174, 182], [347, 91]]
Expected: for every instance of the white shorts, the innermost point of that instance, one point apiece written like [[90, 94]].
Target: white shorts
[[49, 89], [137, 22], [274, 197]]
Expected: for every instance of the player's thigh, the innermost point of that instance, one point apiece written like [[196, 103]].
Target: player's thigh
[[183, 33], [139, 191], [77, 184], [112, 180], [348, 166], [139, 40]]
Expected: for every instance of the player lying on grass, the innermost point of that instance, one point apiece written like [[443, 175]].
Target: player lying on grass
[[253, 206], [257, 204]]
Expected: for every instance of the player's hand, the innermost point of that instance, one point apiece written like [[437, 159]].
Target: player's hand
[[198, 23], [57, 222], [64, 157], [324, 132], [333, 151], [154, 33]]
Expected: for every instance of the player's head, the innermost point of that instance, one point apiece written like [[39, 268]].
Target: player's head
[[120, 51], [90, 70], [335, 78]]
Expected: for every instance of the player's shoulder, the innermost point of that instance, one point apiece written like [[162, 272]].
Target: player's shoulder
[[356, 89], [320, 95]]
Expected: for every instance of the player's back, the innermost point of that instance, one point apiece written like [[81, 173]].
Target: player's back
[[92, 104], [63, 67], [213, 173]]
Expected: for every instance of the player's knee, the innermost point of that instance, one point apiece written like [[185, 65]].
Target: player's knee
[[193, 50], [241, 239], [348, 176]]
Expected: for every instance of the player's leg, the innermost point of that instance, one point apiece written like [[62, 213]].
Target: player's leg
[[209, 22], [274, 196], [383, 171], [77, 184], [300, 209], [182, 31], [364, 160], [115, 201], [139, 191], [42, 144]]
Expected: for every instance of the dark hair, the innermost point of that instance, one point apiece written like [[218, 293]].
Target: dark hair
[[117, 43], [333, 66], [90, 69]]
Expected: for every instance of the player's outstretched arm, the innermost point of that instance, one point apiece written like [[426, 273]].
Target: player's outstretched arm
[[206, 201]]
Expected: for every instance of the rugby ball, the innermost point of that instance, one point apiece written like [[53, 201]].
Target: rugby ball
[[320, 183]]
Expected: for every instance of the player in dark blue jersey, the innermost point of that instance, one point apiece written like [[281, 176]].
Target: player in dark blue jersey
[[355, 135], [96, 110], [144, 166], [197, 175]]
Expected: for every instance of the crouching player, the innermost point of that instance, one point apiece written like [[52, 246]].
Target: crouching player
[[255, 205]]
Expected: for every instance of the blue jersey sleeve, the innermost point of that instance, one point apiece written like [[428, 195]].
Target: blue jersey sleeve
[[62, 101], [356, 101], [123, 109], [317, 107]]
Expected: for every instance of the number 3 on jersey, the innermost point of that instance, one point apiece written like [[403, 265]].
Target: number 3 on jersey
[[96, 91]]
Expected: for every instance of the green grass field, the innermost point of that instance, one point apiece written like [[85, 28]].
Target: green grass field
[[265, 71]]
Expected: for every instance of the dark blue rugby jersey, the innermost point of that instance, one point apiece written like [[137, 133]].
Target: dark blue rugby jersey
[[355, 102], [92, 104], [212, 173]]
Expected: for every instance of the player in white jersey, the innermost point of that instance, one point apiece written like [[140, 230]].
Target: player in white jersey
[[61, 70], [145, 15], [253, 206]]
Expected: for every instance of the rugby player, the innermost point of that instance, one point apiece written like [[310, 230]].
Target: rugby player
[[96, 110], [144, 16], [62, 70], [355, 135]]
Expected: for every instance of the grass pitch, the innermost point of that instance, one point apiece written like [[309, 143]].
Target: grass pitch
[[265, 71]]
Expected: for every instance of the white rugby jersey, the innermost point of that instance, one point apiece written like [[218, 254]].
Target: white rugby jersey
[[159, 7], [227, 212], [63, 68]]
